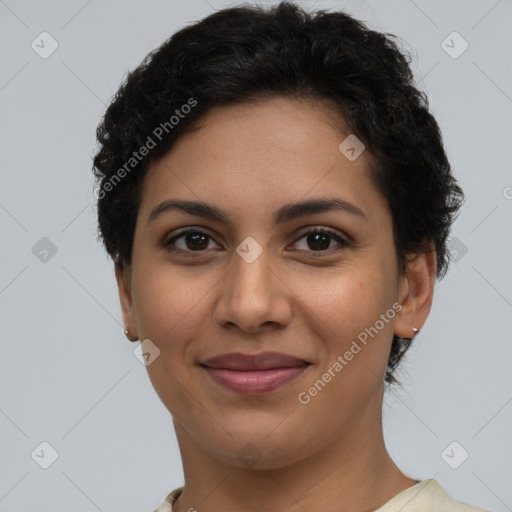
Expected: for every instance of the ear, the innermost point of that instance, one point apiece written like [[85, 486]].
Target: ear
[[416, 291], [124, 286]]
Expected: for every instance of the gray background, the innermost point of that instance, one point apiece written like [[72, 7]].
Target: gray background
[[69, 376]]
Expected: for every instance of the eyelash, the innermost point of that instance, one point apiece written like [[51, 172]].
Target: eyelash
[[315, 254]]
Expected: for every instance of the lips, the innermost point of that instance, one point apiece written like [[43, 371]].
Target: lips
[[247, 362], [254, 374]]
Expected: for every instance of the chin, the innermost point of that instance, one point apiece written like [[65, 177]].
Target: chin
[[257, 452]]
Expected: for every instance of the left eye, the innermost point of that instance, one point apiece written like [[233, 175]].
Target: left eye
[[196, 240], [319, 239]]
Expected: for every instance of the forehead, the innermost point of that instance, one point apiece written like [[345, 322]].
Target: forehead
[[260, 155]]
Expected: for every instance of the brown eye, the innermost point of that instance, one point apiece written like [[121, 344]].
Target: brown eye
[[319, 240], [194, 240]]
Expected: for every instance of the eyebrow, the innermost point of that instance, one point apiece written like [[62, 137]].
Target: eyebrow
[[286, 213]]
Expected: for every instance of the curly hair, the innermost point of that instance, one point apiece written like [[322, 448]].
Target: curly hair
[[249, 53]]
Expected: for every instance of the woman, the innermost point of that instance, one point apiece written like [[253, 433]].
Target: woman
[[276, 198]]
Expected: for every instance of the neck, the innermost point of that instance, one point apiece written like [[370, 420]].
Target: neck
[[352, 473]]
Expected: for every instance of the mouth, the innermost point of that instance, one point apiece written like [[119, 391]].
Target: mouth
[[254, 374]]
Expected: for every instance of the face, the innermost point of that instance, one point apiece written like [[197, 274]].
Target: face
[[248, 283]]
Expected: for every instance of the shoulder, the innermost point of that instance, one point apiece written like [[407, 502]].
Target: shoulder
[[166, 506], [426, 496]]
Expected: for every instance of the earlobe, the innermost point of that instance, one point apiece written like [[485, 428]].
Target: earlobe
[[416, 292]]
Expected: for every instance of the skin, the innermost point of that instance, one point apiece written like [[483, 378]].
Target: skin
[[250, 160]]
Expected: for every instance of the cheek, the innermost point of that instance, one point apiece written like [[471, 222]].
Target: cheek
[[347, 318], [170, 304], [347, 299], [170, 310], [345, 313]]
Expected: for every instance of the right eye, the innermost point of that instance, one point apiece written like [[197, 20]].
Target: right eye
[[194, 241]]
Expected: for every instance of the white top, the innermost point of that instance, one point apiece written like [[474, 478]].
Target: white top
[[425, 496]]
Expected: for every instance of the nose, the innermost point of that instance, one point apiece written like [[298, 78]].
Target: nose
[[253, 296]]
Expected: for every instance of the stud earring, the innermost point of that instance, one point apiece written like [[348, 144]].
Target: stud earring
[[127, 334], [414, 330]]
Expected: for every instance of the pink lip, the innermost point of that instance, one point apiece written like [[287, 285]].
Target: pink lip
[[262, 361], [253, 374], [254, 381]]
